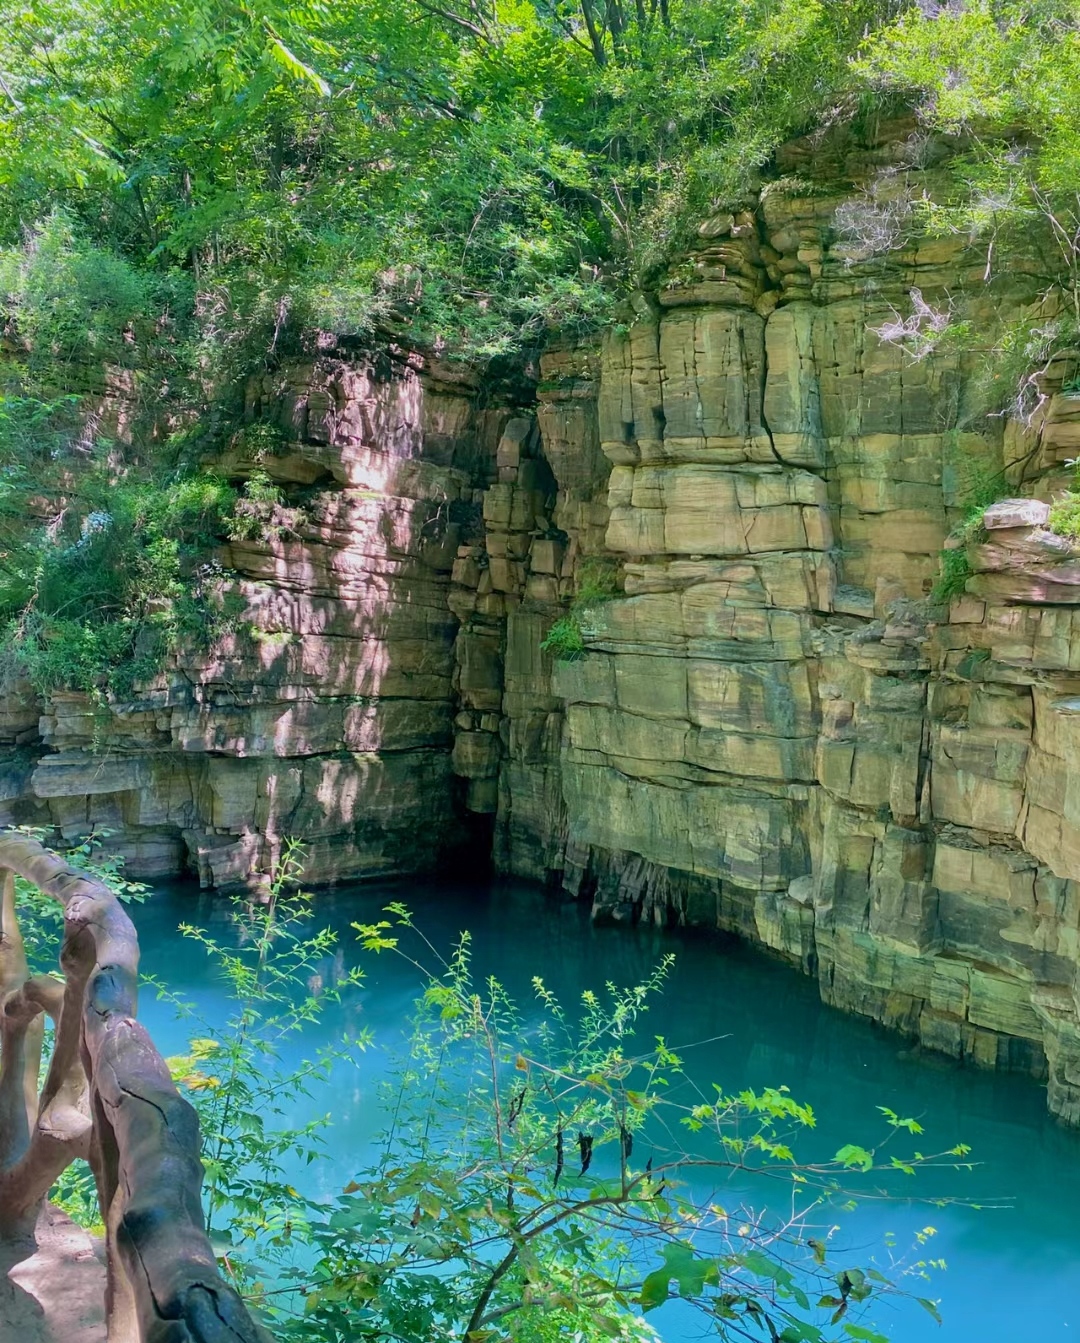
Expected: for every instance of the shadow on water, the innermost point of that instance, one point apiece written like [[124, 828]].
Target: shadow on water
[[1013, 1273]]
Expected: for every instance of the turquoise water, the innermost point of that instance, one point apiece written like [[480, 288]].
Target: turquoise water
[[1013, 1272]]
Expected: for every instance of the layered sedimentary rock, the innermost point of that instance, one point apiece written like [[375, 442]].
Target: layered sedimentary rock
[[774, 728], [328, 713], [740, 496]]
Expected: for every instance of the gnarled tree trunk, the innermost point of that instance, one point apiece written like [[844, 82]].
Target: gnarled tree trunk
[[108, 1097]]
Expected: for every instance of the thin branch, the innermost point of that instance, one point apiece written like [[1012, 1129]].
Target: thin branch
[[14, 101], [456, 20]]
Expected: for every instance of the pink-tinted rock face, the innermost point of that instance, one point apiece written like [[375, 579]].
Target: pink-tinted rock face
[[328, 714], [772, 728]]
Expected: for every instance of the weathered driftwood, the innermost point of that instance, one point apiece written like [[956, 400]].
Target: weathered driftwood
[[108, 1097]]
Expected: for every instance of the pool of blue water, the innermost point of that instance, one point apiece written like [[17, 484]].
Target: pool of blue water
[[1013, 1269]]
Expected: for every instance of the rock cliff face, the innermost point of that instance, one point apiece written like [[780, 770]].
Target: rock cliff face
[[774, 728], [329, 714]]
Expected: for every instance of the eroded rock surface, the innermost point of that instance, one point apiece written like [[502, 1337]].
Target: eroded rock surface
[[774, 728], [328, 714]]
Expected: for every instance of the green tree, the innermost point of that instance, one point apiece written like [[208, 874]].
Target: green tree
[[188, 191], [1001, 77], [467, 175], [534, 1177]]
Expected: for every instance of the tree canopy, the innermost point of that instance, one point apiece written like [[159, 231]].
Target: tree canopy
[[476, 169]]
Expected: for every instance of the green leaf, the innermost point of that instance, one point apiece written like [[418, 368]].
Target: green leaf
[[852, 1156], [912, 1125], [690, 1274], [654, 1290], [762, 1266], [863, 1334], [801, 1331], [296, 66], [930, 1307]]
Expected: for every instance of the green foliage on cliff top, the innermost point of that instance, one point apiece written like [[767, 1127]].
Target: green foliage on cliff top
[[187, 189], [466, 172], [469, 173], [107, 520], [1003, 77]]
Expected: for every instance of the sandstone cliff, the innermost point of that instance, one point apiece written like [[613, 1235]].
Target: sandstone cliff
[[329, 713], [773, 729], [776, 730]]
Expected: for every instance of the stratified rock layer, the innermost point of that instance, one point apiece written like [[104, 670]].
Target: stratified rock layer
[[774, 728], [328, 715]]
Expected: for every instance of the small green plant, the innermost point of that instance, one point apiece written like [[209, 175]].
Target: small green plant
[[530, 1182], [597, 582], [99, 597], [276, 978], [971, 662], [70, 302], [273, 640], [1064, 517], [34, 429], [985, 487], [793, 187], [564, 640], [955, 571], [923, 329], [1013, 370], [253, 512], [259, 440]]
